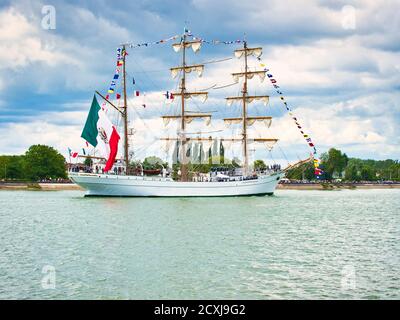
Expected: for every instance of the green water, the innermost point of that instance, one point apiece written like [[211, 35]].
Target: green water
[[296, 244]]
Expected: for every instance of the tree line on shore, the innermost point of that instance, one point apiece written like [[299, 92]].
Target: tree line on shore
[[337, 165], [39, 162], [43, 162]]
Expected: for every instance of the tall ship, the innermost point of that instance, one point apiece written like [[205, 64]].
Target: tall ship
[[192, 150]]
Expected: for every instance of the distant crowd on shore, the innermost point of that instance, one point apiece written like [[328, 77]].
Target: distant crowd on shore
[[287, 181], [118, 170], [47, 180], [58, 180]]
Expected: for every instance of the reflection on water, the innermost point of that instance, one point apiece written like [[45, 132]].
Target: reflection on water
[[296, 244]]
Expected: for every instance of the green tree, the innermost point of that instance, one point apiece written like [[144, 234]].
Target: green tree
[[393, 171], [153, 163], [334, 163], [259, 165], [11, 167], [88, 162], [218, 161], [41, 162], [305, 170], [135, 164], [370, 170], [367, 173], [351, 173]]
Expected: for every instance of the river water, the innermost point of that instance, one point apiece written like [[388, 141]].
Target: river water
[[294, 245]]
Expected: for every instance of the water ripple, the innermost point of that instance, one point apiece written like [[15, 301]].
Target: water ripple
[[295, 245]]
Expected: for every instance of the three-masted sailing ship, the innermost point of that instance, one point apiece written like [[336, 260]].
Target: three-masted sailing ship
[[242, 182]]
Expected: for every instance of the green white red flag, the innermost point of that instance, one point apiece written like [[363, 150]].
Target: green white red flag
[[101, 134]]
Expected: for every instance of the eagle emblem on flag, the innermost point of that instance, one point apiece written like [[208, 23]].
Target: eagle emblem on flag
[[103, 135]]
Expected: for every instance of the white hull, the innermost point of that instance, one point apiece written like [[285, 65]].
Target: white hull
[[136, 186]]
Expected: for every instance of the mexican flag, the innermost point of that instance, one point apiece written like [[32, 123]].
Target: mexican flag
[[100, 133]]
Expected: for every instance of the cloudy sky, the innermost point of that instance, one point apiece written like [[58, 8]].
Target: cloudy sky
[[337, 63]]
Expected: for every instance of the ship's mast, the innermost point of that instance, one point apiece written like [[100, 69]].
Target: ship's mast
[[125, 113], [245, 99], [185, 116], [244, 129], [184, 173]]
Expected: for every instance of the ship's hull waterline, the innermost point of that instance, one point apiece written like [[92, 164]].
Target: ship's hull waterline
[[137, 186]]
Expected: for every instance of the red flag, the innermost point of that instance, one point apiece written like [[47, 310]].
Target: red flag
[[113, 143], [318, 171], [118, 96]]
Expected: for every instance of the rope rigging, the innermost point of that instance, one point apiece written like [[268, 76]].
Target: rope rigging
[[147, 79]]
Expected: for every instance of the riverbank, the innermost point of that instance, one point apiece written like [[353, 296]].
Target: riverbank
[[334, 186], [39, 186], [281, 186]]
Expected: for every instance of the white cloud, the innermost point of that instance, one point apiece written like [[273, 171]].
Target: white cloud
[[48, 59], [339, 82], [19, 136], [21, 43]]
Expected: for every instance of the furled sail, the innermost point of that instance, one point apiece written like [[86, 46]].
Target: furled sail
[[203, 95], [188, 118], [199, 68], [200, 152], [249, 74], [215, 148], [257, 52], [167, 145], [229, 121], [268, 142], [249, 120], [195, 154], [249, 99], [176, 152], [195, 45]]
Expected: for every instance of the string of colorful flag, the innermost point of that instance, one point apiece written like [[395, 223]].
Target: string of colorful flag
[[188, 33], [217, 41], [74, 154], [317, 171], [212, 41], [146, 44], [121, 53]]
